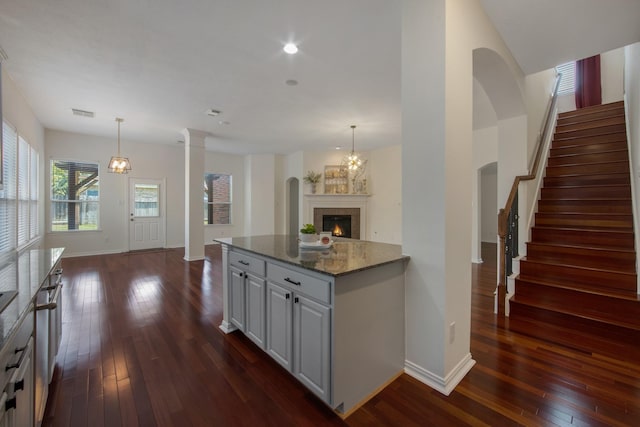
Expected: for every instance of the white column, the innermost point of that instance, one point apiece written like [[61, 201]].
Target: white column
[[193, 194], [226, 324], [436, 193]]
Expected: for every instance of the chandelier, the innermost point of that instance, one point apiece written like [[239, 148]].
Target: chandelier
[[119, 164], [353, 161]]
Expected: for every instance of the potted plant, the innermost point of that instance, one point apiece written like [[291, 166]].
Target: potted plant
[[308, 233], [312, 178]]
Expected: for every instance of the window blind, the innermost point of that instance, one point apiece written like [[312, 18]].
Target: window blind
[[568, 81]]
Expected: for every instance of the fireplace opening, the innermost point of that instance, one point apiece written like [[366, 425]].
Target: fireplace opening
[[338, 225]]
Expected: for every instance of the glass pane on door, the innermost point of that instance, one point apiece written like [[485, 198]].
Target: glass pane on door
[[147, 200]]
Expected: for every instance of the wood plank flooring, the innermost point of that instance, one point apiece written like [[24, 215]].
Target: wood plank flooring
[[141, 347]]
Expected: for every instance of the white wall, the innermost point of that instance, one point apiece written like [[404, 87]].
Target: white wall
[[611, 80], [153, 161], [233, 165], [17, 112], [438, 40], [385, 186], [260, 194], [632, 104], [612, 75]]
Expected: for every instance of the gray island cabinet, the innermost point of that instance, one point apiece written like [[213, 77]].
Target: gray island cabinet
[[334, 317]]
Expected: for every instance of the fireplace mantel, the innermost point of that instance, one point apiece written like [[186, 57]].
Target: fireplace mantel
[[313, 201]]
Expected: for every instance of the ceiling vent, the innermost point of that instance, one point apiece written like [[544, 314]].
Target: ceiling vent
[[83, 113], [212, 112]]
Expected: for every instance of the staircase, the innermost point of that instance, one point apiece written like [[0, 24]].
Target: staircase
[[577, 285]]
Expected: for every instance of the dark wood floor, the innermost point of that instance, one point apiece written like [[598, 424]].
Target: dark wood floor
[[141, 346]]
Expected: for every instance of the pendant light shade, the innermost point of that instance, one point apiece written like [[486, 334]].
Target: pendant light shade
[[353, 161], [119, 164]]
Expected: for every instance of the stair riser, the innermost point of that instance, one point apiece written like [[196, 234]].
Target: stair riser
[[590, 132], [592, 109], [580, 159], [588, 180], [595, 192], [585, 206], [622, 337], [611, 167], [583, 257], [622, 312], [560, 274], [590, 124], [580, 238], [581, 118], [586, 222], [588, 148], [589, 140]]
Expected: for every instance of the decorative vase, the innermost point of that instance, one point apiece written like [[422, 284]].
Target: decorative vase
[[313, 188], [308, 238]]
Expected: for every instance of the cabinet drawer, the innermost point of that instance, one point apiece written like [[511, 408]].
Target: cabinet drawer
[[247, 263], [9, 356], [300, 282]]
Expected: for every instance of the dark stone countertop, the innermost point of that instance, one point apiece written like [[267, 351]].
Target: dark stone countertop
[[24, 273], [343, 257]]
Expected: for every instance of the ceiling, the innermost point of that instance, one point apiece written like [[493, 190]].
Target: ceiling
[[160, 64]]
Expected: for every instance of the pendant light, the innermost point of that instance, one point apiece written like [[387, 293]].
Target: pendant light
[[353, 161], [119, 164]]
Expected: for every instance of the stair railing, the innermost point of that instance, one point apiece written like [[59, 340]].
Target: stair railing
[[508, 217]]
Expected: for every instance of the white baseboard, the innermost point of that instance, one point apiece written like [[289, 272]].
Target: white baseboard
[[477, 261], [443, 385], [197, 258], [66, 254]]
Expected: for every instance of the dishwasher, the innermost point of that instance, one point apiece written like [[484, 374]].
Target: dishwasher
[[48, 324]]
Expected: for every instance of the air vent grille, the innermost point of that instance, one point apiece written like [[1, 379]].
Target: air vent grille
[[83, 113]]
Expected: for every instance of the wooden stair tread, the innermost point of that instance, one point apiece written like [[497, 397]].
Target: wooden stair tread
[[562, 245], [578, 267], [578, 311], [605, 292], [545, 227], [582, 339]]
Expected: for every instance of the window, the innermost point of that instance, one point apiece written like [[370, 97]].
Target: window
[[147, 200], [19, 194], [8, 193], [568, 81], [217, 198], [75, 195]]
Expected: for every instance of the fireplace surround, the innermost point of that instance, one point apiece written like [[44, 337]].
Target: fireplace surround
[[355, 205]]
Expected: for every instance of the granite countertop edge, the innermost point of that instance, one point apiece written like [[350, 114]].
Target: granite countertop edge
[[296, 263]]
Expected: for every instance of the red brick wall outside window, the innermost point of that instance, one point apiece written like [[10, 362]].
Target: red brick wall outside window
[[217, 198]]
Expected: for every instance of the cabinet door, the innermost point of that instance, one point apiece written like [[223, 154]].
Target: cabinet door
[[237, 298], [24, 392], [279, 324], [255, 320], [312, 345]]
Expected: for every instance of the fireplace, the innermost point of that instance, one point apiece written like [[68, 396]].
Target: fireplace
[[338, 225], [342, 222]]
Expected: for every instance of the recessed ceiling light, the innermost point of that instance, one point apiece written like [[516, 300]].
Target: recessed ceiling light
[[338, 148], [212, 112], [291, 82], [224, 122], [290, 48]]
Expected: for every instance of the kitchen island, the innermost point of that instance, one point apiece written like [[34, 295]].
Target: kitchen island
[[333, 317]]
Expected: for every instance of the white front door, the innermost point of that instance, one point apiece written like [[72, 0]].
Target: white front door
[[146, 214]]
